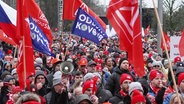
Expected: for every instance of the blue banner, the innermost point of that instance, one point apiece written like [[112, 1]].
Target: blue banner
[[88, 27], [39, 40]]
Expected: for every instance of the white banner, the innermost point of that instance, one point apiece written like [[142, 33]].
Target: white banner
[[174, 45]]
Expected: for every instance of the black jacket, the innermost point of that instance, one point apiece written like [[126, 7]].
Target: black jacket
[[118, 98], [113, 84]]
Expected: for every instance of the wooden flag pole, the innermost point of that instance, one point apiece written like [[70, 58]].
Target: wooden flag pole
[[163, 38], [24, 61]]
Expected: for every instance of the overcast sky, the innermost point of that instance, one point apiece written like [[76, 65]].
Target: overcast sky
[[148, 3]]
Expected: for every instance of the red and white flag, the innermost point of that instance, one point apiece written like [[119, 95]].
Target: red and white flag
[[25, 66], [125, 19], [181, 44], [167, 41], [70, 8]]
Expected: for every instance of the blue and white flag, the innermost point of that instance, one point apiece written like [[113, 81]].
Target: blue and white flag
[[39, 39], [88, 27]]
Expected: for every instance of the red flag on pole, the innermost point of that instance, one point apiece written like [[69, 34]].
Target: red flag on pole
[[167, 40], [37, 15], [124, 17], [6, 39], [146, 31], [25, 66], [70, 10], [181, 44]]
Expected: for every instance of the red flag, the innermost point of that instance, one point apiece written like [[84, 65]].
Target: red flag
[[167, 40], [146, 31], [6, 39], [25, 66], [69, 14], [124, 17], [38, 16], [181, 44]]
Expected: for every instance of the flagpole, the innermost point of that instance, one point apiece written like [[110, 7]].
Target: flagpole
[[24, 61], [163, 38], [15, 51]]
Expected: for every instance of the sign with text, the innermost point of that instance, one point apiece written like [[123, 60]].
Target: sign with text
[[174, 47]]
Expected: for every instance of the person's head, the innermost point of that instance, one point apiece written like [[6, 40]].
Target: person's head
[[39, 61], [56, 64], [57, 82], [157, 65], [181, 82], [125, 80], [108, 61], [174, 99], [88, 76], [28, 98], [40, 77], [78, 76], [155, 78], [89, 88], [177, 59], [10, 81], [82, 64], [135, 86], [91, 66], [137, 97], [77, 91], [14, 73], [38, 67], [123, 64], [83, 99]]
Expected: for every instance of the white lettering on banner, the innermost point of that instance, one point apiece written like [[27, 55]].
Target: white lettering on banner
[[95, 30], [39, 38]]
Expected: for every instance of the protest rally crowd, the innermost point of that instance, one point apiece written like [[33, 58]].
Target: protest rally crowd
[[102, 74]]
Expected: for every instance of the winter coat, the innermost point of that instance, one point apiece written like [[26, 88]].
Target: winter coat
[[118, 99], [113, 84], [54, 98]]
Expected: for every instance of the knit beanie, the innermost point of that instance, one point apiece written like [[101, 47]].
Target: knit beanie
[[137, 97], [120, 61], [89, 84], [180, 78], [135, 86], [125, 77], [57, 78], [153, 74]]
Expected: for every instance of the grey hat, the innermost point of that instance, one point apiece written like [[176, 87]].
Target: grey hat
[[14, 71], [156, 63], [82, 97], [88, 76], [135, 86], [91, 63], [57, 78]]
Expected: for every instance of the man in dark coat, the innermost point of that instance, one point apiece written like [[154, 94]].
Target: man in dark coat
[[113, 84], [122, 95]]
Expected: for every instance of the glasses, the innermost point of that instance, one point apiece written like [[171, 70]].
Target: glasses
[[156, 66]]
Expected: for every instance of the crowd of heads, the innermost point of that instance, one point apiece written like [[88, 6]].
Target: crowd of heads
[[82, 72]]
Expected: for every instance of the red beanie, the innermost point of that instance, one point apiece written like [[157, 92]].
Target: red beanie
[[153, 74], [177, 59], [137, 97], [89, 84], [99, 67], [180, 78], [125, 77]]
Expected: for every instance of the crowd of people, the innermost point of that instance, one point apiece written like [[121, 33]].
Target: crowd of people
[[98, 74]]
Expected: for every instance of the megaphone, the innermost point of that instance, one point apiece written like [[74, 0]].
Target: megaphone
[[66, 67]]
